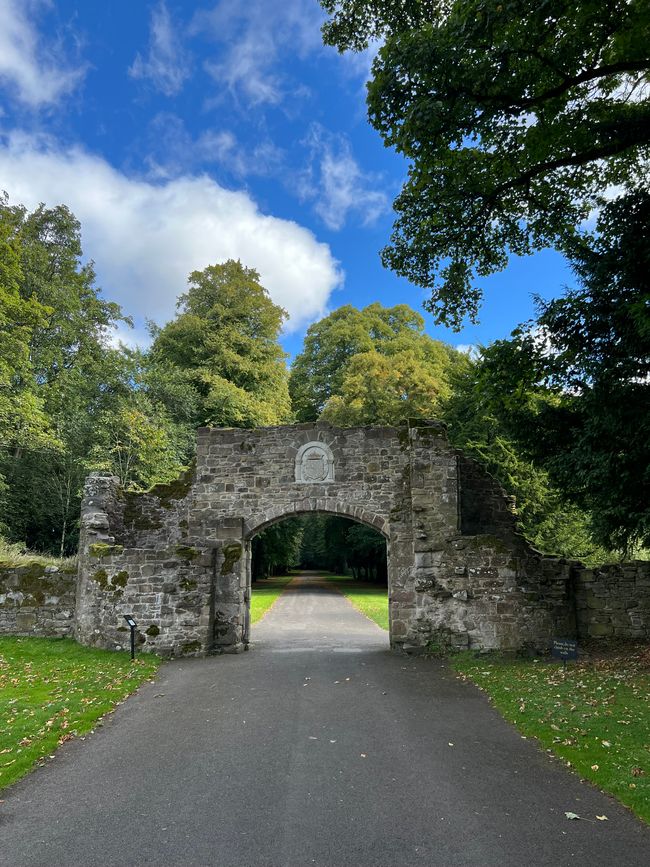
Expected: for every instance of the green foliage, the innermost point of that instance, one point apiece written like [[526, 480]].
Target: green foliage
[[54, 690], [573, 388], [515, 117], [477, 427], [337, 544], [374, 365], [71, 403], [276, 550], [224, 344]]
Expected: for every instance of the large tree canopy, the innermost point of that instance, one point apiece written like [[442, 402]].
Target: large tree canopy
[[225, 340], [573, 387], [516, 117]]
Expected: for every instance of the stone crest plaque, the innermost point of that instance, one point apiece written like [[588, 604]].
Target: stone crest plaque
[[314, 464]]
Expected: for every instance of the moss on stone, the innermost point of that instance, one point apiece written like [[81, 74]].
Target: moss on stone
[[152, 630], [102, 549], [187, 584], [100, 576], [120, 578], [134, 516], [191, 646], [176, 490], [231, 554], [186, 552], [30, 570]]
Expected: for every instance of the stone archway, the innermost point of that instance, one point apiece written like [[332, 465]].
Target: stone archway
[[257, 525], [175, 557]]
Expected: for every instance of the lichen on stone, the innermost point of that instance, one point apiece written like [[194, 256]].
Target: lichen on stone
[[120, 578], [186, 552], [231, 554], [102, 549]]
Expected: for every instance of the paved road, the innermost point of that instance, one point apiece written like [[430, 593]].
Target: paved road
[[317, 747]]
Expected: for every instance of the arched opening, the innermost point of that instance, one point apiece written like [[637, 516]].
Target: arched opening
[[313, 557]]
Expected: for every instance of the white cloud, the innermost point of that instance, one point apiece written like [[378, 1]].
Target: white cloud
[[171, 150], [146, 237], [167, 63], [37, 75], [335, 181], [256, 36]]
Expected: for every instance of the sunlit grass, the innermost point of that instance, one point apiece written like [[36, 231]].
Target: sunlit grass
[[369, 599], [52, 689], [595, 716], [264, 594]]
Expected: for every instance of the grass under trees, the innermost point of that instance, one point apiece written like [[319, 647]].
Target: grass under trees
[[595, 715], [264, 594], [52, 689]]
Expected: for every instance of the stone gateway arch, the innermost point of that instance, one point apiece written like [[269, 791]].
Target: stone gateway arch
[[178, 557]]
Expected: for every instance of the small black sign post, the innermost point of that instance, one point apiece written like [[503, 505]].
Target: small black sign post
[[564, 648], [132, 626]]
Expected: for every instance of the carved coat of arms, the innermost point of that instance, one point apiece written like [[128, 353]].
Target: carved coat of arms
[[315, 463]]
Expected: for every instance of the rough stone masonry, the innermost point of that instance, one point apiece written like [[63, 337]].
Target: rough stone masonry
[[178, 557]]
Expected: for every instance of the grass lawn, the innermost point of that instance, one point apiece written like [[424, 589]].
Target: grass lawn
[[264, 593], [369, 599], [596, 716], [52, 689]]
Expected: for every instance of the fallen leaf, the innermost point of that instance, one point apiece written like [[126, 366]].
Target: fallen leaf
[[363, 756], [571, 815], [602, 818], [450, 744], [594, 767]]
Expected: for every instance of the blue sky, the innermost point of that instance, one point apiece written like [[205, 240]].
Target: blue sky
[[184, 133]]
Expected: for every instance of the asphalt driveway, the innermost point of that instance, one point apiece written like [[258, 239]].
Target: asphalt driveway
[[319, 746]]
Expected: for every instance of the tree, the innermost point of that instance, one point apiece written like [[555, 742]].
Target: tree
[[225, 341], [387, 389], [22, 418], [516, 118], [350, 346], [62, 373], [574, 385], [276, 550]]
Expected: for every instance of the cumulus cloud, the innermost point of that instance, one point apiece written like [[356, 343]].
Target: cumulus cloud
[[166, 65], [254, 37], [36, 75], [146, 237], [334, 180]]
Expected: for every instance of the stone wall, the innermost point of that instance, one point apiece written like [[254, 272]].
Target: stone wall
[[613, 601], [460, 575], [37, 600], [178, 557]]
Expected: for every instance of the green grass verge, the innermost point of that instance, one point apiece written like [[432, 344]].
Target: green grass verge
[[52, 689], [596, 716], [369, 599], [264, 593]]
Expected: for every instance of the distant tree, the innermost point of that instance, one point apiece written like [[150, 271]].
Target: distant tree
[[516, 116], [276, 550], [388, 389], [225, 341], [351, 348]]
